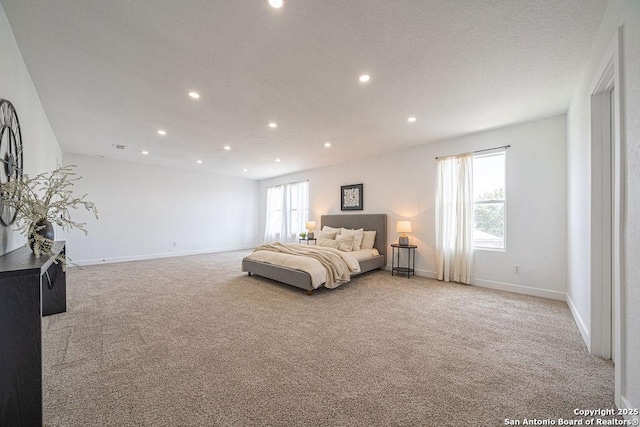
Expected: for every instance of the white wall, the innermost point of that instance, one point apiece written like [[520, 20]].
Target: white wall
[[41, 149], [626, 13], [402, 184], [143, 209]]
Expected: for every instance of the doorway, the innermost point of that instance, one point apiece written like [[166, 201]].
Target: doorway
[[607, 272]]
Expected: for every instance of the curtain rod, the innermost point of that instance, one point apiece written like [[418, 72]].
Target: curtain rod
[[289, 183], [480, 151]]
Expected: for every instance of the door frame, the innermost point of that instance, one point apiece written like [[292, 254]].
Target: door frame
[[607, 219]]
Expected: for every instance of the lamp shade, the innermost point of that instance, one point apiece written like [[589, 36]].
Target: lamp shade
[[403, 227], [310, 225]]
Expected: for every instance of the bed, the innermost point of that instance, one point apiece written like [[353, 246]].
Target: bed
[[304, 280]]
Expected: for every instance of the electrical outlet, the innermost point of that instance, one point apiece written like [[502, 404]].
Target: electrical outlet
[[516, 268], [175, 244]]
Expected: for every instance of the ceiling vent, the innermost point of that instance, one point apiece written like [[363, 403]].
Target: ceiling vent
[[119, 147]]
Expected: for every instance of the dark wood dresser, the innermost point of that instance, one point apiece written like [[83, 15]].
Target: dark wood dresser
[[30, 288]]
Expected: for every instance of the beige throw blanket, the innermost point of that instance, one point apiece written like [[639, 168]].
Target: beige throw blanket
[[338, 265]]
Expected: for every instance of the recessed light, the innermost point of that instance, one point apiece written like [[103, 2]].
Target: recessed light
[[162, 132], [245, 170], [272, 125], [145, 152], [199, 162], [278, 160], [411, 119], [364, 78], [194, 95], [276, 4], [327, 144], [227, 148]]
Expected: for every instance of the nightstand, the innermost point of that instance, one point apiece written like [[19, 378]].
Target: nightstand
[[410, 268], [307, 241]]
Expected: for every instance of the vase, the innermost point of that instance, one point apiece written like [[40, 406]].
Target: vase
[[45, 229]]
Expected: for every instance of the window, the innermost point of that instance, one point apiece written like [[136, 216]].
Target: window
[[295, 210], [274, 213], [287, 211], [489, 200]]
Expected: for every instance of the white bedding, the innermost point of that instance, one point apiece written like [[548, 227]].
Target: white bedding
[[343, 265], [363, 254]]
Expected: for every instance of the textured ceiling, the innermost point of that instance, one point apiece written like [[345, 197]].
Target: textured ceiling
[[114, 72]]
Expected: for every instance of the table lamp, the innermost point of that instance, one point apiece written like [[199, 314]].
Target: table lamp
[[310, 226], [403, 227]]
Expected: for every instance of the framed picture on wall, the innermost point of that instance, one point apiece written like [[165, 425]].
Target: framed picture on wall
[[351, 197]]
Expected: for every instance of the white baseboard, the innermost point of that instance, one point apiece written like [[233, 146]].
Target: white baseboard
[[86, 262], [584, 330], [422, 273], [625, 405], [518, 289], [427, 273]]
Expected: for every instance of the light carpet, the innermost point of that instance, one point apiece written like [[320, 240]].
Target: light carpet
[[192, 341]]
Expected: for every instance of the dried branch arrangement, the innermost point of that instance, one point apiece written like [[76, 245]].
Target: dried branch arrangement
[[46, 197]]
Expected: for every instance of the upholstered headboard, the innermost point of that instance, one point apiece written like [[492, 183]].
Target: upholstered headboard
[[370, 222]]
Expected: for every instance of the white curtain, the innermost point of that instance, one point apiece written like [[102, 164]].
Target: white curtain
[[287, 212], [454, 218], [296, 210], [273, 226]]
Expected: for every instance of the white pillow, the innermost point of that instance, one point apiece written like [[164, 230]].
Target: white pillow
[[327, 235], [357, 237], [328, 243], [368, 240], [331, 229], [345, 243]]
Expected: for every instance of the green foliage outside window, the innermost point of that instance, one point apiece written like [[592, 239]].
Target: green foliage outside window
[[489, 217]]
